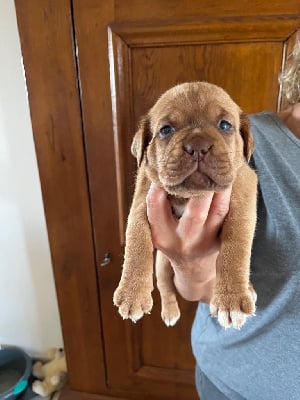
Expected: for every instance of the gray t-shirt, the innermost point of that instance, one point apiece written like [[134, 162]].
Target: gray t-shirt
[[262, 360]]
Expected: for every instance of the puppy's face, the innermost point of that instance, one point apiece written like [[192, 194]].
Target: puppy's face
[[193, 139]]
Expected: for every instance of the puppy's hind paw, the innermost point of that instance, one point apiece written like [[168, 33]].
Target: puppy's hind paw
[[170, 313]]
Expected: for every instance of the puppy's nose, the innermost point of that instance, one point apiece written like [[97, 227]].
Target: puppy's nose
[[197, 147]]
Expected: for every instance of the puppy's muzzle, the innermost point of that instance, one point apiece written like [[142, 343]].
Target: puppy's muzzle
[[197, 148]]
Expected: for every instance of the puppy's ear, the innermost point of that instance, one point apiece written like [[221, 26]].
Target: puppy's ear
[[141, 139], [247, 136]]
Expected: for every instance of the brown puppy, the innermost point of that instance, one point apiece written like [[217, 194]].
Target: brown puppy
[[193, 141]]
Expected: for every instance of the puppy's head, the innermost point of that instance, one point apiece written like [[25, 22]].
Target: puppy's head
[[193, 139]]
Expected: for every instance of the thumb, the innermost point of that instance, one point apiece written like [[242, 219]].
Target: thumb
[[159, 212]]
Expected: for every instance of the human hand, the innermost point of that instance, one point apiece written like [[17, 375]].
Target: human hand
[[192, 242]]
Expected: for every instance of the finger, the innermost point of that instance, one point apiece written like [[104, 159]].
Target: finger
[[159, 212], [194, 217], [218, 210]]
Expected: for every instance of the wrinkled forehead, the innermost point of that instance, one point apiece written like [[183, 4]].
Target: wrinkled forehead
[[194, 105]]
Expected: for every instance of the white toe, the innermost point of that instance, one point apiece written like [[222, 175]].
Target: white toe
[[224, 320], [238, 319]]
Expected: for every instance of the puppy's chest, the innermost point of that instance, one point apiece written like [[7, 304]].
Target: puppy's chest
[[178, 204]]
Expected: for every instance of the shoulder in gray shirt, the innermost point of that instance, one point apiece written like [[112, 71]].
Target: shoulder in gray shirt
[[262, 360]]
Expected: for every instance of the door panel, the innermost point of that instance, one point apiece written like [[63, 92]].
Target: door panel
[[228, 65], [127, 58]]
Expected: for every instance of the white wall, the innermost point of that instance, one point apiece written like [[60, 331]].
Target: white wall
[[28, 307]]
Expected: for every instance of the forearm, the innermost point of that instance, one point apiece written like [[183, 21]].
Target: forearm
[[194, 284], [194, 291]]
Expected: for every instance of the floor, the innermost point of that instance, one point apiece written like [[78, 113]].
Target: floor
[[55, 396], [29, 395]]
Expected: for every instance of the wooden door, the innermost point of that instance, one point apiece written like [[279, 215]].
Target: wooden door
[[126, 53], [129, 53]]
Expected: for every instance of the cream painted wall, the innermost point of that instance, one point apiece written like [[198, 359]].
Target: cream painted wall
[[28, 314]]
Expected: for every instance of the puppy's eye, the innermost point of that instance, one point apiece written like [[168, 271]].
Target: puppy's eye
[[166, 130], [225, 126]]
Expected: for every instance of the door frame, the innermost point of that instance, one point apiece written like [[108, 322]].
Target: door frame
[[54, 98]]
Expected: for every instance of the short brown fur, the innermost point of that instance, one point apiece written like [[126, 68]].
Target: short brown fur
[[196, 157]]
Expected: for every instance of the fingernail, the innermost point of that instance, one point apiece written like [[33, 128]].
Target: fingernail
[[152, 186]]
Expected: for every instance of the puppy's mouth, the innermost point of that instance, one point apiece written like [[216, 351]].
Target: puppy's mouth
[[191, 178]]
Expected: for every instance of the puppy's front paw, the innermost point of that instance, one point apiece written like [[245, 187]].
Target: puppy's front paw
[[233, 309], [133, 302]]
